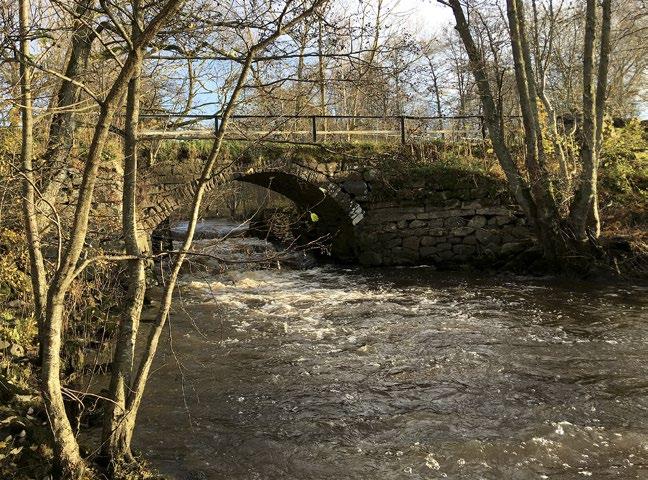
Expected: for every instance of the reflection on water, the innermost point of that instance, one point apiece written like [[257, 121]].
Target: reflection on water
[[400, 373]]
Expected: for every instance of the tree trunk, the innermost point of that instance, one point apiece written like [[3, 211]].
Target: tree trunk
[[536, 200], [67, 459], [68, 463], [62, 127], [66, 448], [586, 191], [116, 440], [29, 210], [601, 95], [136, 391]]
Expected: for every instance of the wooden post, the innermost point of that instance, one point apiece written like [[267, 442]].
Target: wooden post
[[215, 125], [314, 128], [402, 130]]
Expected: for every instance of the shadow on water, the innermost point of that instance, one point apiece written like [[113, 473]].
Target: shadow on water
[[399, 373]]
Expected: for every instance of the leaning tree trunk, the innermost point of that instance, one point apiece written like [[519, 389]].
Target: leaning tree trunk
[[67, 459], [62, 127], [137, 388], [535, 198]]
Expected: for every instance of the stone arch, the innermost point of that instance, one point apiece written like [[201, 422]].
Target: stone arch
[[305, 186]]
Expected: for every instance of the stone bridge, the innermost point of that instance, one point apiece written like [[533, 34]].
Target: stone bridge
[[439, 216]]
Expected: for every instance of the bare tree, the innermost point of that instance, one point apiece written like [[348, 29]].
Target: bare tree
[[534, 189], [128, 385], [67, 456]]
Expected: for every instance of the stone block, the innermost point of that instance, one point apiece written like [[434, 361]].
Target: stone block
[[452, 203], [472, 204], [444, 255], [426, 253], [371, 175], [500, 220], [370, 258], [462, 231], [493, 211], [402, 256], [415, 232], [455, 222], [411, 243], [393, 242], [356, 188], [378, 216], [470, 240], [510, 248], [478, 221], [485, 236], [464, 250], [427, 241], [520, 231], [327, 168], [417, 224]]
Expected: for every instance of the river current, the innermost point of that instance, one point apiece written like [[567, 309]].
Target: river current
[[351, 373]]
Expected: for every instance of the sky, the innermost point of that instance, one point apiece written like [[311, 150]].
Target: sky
[[425, 17]]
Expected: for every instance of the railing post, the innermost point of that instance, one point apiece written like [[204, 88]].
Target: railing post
[[402, 130], [314, 128], [215, 125]]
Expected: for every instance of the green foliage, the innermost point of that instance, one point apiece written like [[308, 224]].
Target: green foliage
[[624, 163], [17, 329], [623, 181], [14, 265]]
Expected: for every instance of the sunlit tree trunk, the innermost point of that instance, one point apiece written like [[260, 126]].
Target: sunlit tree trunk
[[66, 449], [116, 433], [585, 206]]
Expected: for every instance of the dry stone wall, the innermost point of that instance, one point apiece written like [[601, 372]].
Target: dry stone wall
[[468, 226]]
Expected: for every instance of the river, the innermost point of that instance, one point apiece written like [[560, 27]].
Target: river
[[351, 373]]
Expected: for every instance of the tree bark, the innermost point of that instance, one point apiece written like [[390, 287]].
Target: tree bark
[[601, 95], [62, 127], [115, 437], [67, 459], [586, 190], [536, 199], [517, 185], [29, 210]]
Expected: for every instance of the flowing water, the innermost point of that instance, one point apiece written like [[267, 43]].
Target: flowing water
[[333, 373]]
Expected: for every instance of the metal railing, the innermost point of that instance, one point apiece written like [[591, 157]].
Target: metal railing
[[313, 128]]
